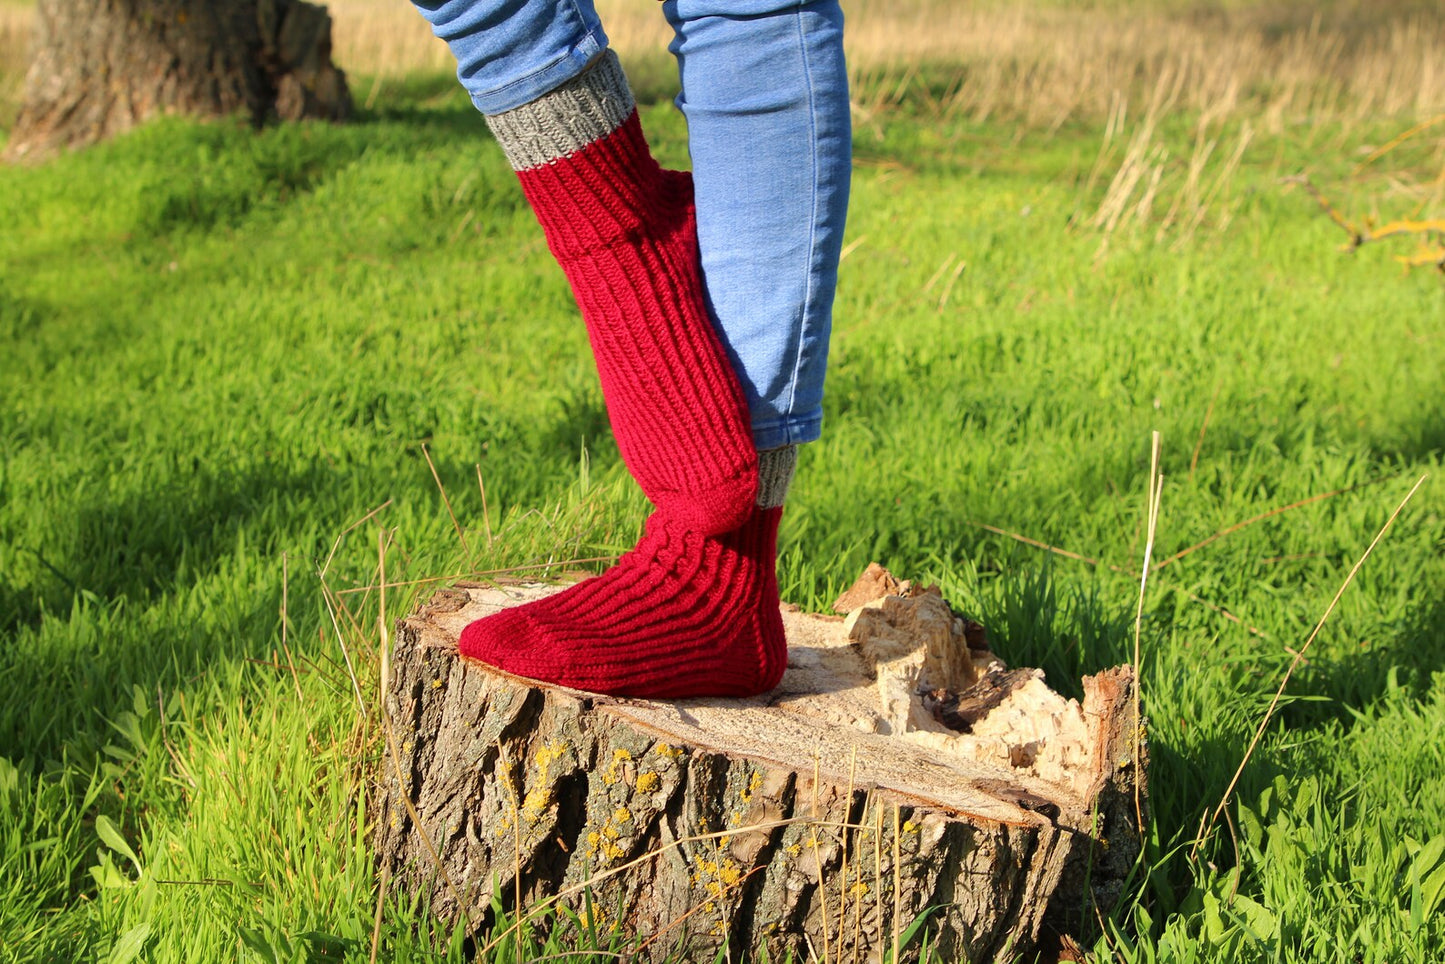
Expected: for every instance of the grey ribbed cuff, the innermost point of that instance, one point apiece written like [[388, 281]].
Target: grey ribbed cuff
[[775, 472], [568, 118]]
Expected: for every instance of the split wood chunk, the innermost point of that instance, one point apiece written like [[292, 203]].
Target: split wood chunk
[[898, 770]]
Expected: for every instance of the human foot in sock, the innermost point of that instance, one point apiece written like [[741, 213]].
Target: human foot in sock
[[624, 231], [682, 614]]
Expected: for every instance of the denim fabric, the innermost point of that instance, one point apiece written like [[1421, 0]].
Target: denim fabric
[[510, 52], [765, 94]]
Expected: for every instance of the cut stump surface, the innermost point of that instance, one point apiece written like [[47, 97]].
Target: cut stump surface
[[882, 780]]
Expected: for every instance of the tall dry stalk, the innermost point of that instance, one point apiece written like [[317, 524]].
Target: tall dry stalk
[[1207, 821]]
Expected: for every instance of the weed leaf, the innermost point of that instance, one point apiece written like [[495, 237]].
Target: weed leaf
[[1258, 922], [130, 944], [110, 836]]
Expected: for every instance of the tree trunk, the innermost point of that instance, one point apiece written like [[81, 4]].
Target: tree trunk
[[103, 66], [894, 774]]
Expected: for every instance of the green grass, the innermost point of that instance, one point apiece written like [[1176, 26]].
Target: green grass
[[224, 348]]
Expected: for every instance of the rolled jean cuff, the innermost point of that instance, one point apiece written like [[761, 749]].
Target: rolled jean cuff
[[510, 52], [792, 430], [545, 79]]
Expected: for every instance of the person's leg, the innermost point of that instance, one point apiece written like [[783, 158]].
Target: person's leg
[[765, 93], [623, 230], [693, 609]]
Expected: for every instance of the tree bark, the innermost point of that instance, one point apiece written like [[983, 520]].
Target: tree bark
[[103, 66], [823, 817]]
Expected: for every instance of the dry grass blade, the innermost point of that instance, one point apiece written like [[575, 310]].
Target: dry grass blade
[[843, 874], [1278, 510], [934, 278], [877, 857], [380, 902], [486, 514], [446, 501], [953, 277], [484, 574], [1207, 824], [1395, 142], [1055, 550], [385, 688], [1203, 427], [326, 566], [331, 606], [382, 541], [1224, 178], [897, 881], [1156, 489], [1254, 630], [852, 246], [1019, 537], [817, 858]]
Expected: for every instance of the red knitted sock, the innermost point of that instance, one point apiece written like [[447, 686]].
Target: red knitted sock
[[693, 609], [682, 614], [624, 231]]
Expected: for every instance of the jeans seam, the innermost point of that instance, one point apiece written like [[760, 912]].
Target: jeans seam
[[809, 279]]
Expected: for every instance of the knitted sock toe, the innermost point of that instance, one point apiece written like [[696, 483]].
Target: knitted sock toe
[[682, 614]]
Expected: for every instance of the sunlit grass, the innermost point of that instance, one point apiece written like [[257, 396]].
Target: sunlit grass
[[224, 348]]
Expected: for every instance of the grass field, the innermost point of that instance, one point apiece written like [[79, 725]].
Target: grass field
[[229, 356]]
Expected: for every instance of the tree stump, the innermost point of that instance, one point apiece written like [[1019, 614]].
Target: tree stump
[[899, 773]]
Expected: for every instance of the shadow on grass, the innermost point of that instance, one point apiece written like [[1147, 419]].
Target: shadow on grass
[[581, 422], [128, 597], [147, 543], [1331, 686], [1422, 441], [1066, 629], [180, 572]]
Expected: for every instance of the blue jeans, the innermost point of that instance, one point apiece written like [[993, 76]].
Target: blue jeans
[[765, 94]]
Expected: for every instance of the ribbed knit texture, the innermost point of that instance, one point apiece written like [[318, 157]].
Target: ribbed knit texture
[[584, 109], [680, 615], [624, 231], [693, 609], [775, 474]]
